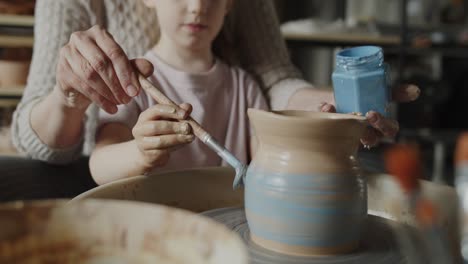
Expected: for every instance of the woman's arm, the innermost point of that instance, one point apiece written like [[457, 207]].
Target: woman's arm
[[308, 98], [83, 65], [262, 50], [55, 22]]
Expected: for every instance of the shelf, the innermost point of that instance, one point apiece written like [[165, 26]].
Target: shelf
[[16, 20], [342, 39], [449, 51], [390, 43], [9, 102], [16, 91], [16, 41]]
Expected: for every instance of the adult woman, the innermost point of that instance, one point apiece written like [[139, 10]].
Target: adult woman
[[82, 52]]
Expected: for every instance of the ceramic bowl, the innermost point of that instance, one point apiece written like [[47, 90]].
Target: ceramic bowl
[[197, 190], [103, 231]]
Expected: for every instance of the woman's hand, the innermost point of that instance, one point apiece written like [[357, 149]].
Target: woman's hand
[[380, 126], [158, 132], [92, 67]]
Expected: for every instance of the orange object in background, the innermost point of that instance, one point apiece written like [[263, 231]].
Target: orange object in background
[[426, 213], [461, 151], [404, 162]]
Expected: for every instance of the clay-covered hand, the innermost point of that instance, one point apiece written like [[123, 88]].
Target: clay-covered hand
[[161, 130], [380, 126], [92, 67]]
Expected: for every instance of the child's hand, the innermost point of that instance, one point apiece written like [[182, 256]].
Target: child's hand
[[379, 126], [160, 130]]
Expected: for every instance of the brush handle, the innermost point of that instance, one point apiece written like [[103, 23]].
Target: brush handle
[[206, 138], [160, 98]]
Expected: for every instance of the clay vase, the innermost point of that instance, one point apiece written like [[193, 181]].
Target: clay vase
[[303, 192]]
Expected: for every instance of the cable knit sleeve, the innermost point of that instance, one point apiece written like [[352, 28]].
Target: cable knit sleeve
[[55, 21], [263, 52]]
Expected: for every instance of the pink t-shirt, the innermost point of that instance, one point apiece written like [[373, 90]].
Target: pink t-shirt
[[220, 99]]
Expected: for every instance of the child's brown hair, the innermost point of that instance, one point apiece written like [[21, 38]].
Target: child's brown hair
[[223, 45]]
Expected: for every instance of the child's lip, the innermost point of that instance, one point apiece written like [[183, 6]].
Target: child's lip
[[196, 27]]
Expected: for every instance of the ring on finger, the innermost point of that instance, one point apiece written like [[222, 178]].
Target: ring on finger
[[71, 94]]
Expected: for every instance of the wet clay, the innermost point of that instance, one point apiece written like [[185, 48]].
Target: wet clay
[[303, 193]]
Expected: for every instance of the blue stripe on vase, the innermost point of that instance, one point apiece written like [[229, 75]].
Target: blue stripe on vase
[[299, 182], [336, 239], [299, 208], [291, 210]]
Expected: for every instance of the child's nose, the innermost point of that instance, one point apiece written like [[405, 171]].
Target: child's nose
[[198, 6]]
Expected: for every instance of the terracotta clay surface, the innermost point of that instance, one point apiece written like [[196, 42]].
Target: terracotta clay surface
[[303, 189], [100, 231]]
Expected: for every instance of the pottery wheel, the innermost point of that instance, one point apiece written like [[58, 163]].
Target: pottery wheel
[[378, 245]]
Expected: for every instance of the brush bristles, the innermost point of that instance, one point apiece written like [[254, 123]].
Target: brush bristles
[[404, 163]]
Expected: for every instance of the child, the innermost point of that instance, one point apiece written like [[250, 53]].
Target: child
[[145, 136]]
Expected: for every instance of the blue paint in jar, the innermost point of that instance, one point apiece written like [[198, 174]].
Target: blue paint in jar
[[360, 81]]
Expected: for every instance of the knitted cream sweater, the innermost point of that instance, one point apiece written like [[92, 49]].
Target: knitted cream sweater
[[258, 46]]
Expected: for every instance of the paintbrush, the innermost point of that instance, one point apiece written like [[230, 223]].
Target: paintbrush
[[199, 132], [404, 163]]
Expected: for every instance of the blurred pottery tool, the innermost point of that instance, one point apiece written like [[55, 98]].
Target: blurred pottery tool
[[404, 163], [198, 130]]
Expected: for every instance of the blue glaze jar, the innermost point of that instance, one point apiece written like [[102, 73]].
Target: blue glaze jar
[[360, 81]]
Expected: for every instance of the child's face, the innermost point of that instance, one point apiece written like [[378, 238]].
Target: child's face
[[191, 24]]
